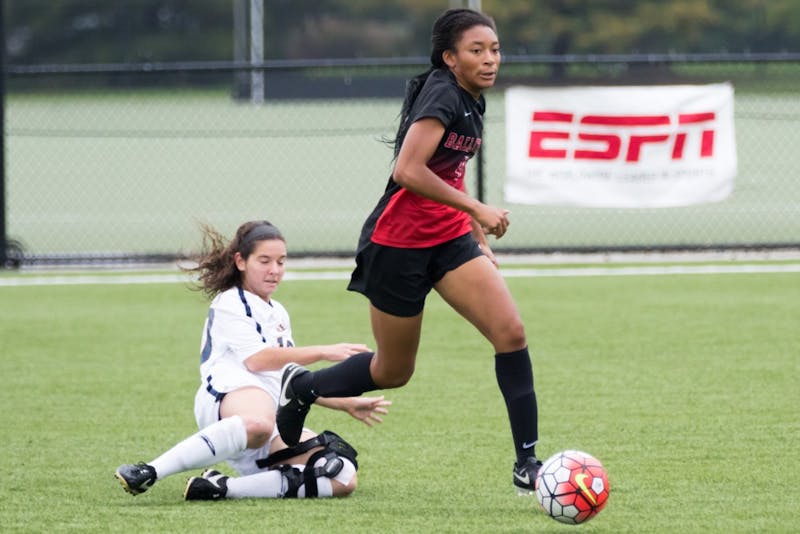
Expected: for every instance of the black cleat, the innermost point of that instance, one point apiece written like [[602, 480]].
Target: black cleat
[[136, 478], [525, 475], [291, 415], [210, 486]]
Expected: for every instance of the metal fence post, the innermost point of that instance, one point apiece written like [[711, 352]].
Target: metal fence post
[[256, 50], [3, 239], [241, 48]]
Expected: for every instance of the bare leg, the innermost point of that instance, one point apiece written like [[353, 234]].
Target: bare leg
[[477, 291], [397, 341], [257, 410]]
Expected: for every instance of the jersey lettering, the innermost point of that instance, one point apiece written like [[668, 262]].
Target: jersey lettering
[[459, 172], [462, 143]]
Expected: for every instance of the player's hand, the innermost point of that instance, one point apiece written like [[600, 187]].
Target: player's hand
[[487, 251], [368, 410], [342, 351], [493, 220]]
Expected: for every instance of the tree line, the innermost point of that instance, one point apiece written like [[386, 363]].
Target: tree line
[[97, 31]]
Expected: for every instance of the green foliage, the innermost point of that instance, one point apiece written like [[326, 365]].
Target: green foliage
[[649, 26], [90, 31], [86, 31], [684, 386]]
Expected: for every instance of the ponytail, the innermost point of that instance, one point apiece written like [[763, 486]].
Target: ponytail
[[413, 88]]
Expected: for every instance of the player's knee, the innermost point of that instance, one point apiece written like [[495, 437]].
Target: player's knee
[[327, 474], [393, 379], [387, 373], [510, 336], [341, 489], [259, 430]]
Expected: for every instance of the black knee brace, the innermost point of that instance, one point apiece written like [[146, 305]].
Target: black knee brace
[[334, 448]]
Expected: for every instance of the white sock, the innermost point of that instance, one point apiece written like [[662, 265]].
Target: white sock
[[271, 484], [214, 444], [265, 484], [324, 488]]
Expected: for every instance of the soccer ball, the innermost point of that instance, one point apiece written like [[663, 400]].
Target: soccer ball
[[572, 487]]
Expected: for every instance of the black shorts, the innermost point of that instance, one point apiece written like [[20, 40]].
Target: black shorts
[[397, 280]]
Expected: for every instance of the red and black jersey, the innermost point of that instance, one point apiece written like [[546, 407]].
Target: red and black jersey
[[407, 220]]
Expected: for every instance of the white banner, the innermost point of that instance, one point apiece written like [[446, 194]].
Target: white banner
[[630, 147]]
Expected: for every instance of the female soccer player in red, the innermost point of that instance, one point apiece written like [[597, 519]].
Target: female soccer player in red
[[427, 233]]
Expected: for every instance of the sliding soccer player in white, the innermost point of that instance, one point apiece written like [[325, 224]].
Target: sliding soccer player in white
[[246, 341]]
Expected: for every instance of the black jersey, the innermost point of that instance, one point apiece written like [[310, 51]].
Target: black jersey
[[407, 220]]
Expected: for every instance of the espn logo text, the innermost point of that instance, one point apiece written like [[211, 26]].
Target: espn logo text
[[560, 135]]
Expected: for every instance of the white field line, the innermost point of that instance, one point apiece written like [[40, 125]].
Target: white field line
[[641, 270]]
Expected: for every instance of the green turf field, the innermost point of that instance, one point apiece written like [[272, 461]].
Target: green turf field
[[128, 172], [685, 386]]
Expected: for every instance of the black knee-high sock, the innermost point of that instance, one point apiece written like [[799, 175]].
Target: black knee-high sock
[[348, 378], [515, 378]]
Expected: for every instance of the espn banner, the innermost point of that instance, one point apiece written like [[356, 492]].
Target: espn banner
[[620, 147]]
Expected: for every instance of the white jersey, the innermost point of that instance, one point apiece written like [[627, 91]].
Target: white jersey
[[238, 325]]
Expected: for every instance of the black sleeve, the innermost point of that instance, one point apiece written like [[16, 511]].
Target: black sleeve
[[438, 100]]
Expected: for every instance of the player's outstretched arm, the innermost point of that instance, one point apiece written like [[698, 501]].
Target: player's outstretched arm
[[368, 410], [272, 358]]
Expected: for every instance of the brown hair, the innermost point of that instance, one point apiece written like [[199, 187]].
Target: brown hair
[[216, 267]]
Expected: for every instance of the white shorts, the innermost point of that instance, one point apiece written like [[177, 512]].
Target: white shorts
[[224, 379]]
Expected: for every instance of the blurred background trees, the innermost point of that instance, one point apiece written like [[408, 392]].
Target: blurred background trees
[[90, 31]]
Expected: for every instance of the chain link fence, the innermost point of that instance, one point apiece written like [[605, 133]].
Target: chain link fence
[[123, 162]]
